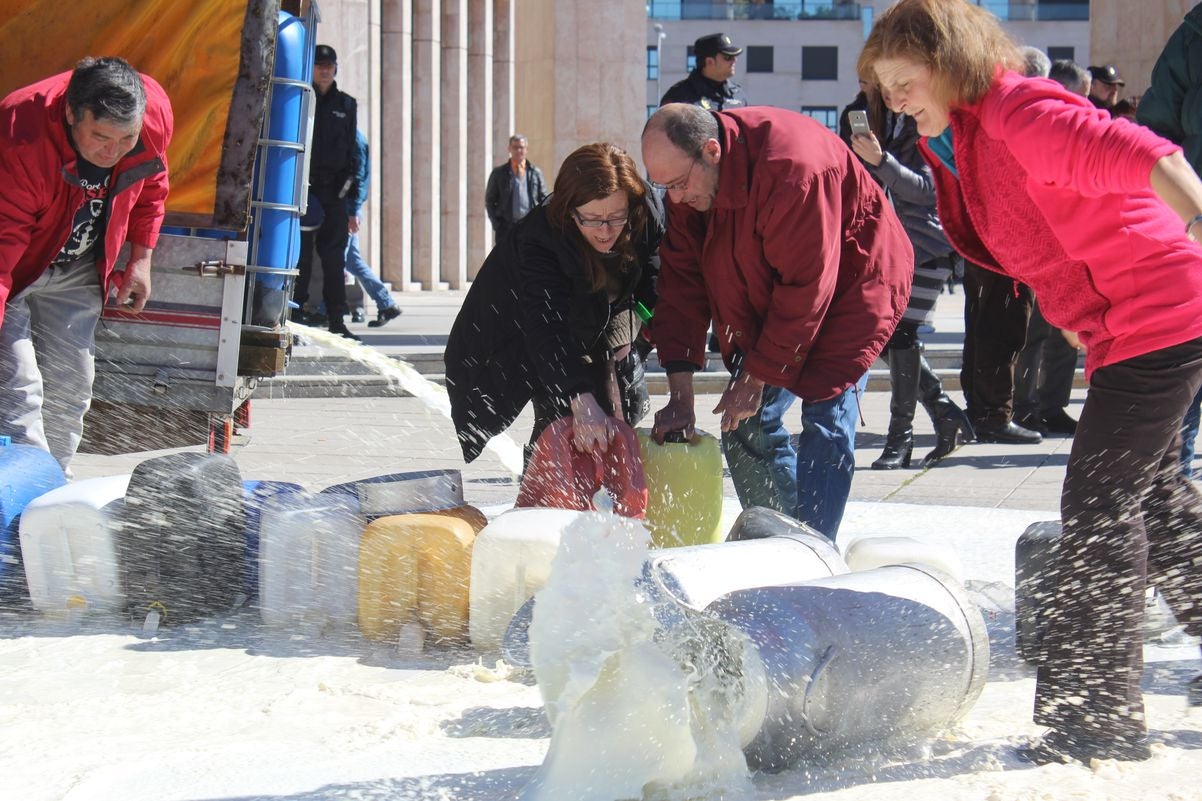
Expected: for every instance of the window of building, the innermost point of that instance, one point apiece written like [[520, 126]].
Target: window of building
[[652, 62], [759, 59], [1065, 53], [690, 60], [820, 63], [827, 115], [651, 110]]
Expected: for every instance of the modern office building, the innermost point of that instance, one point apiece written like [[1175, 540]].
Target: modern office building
[[801, 54]]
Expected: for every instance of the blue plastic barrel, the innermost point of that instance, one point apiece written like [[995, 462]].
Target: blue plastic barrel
[[26, 472], [256, 494], [278, 231]]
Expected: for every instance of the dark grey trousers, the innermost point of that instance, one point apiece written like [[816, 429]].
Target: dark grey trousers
[[1130, 518]]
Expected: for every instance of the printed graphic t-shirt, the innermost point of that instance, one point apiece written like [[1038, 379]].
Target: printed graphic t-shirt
[[87, 229]]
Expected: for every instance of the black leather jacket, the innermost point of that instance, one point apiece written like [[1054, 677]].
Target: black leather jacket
[[498, 195]]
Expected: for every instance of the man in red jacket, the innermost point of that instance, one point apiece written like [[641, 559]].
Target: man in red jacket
[[780, 236], [84, 169]]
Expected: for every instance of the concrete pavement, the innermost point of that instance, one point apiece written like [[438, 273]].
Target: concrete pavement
[[318, 441]]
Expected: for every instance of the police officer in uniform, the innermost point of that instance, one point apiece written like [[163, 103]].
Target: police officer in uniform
[[332, 169], [709, 85]]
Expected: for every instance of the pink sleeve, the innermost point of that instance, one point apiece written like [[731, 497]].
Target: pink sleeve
[[1061, 140]]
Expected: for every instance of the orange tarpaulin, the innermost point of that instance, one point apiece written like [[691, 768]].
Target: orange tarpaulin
[[194, 49]]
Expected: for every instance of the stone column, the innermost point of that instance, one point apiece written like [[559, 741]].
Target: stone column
[[453, 262], [391, 148], [479, 130], [504, 22], [426, 147]]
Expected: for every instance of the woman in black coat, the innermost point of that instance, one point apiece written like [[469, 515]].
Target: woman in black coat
[[551, 317]]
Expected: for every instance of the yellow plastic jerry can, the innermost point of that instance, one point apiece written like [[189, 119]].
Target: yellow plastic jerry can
[[684, 490], [416, 567]]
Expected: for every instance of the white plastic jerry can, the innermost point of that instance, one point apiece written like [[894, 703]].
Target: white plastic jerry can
[[309, 562], [68, 547], [511, 560], [404, 493]]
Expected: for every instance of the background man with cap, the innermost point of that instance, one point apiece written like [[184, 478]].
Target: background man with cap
[[333, 168], [1104, 91], [709, 85]]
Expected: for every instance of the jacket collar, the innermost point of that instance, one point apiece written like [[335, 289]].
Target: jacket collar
[[734, 170], [715, 89]]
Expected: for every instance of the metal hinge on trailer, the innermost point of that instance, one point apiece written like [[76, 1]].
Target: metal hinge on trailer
[[215, 268]]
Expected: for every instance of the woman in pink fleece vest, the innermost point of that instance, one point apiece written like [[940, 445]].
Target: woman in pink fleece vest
[[1101, 219]]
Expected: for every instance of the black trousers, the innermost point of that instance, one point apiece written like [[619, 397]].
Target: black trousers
[[996, 312], [1043, 377], [1130, 517], [329, 242]]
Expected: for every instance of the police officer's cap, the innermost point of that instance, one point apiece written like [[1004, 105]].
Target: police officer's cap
[[713, 44]]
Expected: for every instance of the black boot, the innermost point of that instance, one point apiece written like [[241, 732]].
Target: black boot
[[903, 375], [337, 326], [952, 426]]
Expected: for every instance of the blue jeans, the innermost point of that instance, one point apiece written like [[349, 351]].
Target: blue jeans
[[1189, 432], [810, 484], [356, 266]]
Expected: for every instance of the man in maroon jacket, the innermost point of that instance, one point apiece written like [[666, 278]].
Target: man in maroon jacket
[[777, 233], [84, 168]]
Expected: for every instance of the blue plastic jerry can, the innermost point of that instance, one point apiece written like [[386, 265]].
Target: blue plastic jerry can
[[26, 472], [255, 495]]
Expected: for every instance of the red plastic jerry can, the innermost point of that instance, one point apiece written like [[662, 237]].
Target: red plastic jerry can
[[561, 477]]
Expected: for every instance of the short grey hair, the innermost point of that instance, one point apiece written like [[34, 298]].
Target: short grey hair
[[109, 88], [1071, 75], [687, 127], [517, 138], [1036, 62]]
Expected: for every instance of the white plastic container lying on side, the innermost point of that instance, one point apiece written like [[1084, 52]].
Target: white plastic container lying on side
[[309, 563], [67, 544], [511, 561], [867, 553], [404, 493], [879, 659], [695, 576]]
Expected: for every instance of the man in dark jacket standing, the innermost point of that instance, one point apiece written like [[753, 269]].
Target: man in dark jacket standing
[[709, 85], [1105, 87], [778, 234], [83, 162], [1172, 107], [513, 188], [332, 171]]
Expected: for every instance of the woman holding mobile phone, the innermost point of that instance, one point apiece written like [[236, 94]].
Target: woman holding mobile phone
[[899, 167]]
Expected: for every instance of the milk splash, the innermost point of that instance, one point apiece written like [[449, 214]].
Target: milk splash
[[635, 711], [413, 382]]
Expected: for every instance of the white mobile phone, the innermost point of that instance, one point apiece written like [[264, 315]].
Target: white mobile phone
[[859, 122]]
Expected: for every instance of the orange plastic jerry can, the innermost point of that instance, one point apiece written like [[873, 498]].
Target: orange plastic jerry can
[[415, 568], [561, 477]]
